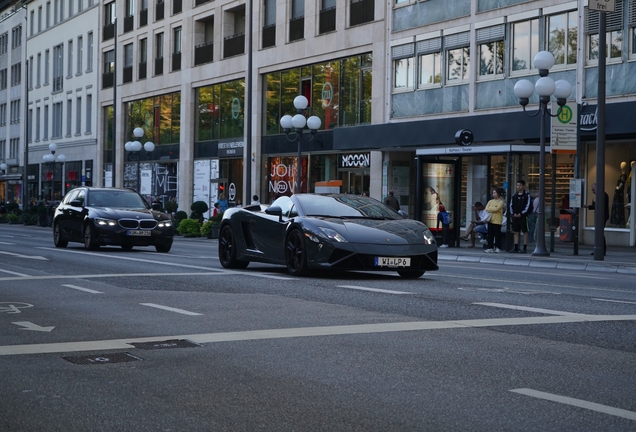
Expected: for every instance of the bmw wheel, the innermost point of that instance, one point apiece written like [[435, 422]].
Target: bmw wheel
[[89, 238], [295, 254], [227, 250], [57, 236]]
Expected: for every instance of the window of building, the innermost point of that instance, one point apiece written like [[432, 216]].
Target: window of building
[[69, 116], [16, 37], [56, 6], [109, 61], [48, 15], [69, 67], [130, 8], [429, 63], [32, 23], [403, 66], [109, 13], [89, 53], [614, 34], [39, 19], [457, 57], [45, 125], [39, 70], [16, 74], [631, 22], [31, 67], [524, 46], [80, 5], [46, 67], [14, 148], [4, 42], [57, 120], [128, 55], [89, 113], [176, 42], [3, 79], [562, 36], [70, 8], [58, 68], [143, 50], [15, 112], [490, 42], [78, 117], [3, 115], [37, 124], [80, 53]]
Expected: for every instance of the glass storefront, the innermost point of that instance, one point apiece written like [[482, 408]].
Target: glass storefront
[[220, 111]]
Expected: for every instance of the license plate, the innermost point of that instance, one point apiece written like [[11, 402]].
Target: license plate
[[392, 262], [139, 233]]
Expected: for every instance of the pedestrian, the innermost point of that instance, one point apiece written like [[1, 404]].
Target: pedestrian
[[239, 203], [477, 225], [223, 203], [606, 215], [255, 200], [520, 206], [216, 210], [392, 201], [157, 204], [495, 207], [444, 218]]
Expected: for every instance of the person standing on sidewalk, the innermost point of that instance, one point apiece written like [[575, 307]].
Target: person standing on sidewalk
[[606, 215], [495, 207], [392, 201], [444, 218], [519, 209]]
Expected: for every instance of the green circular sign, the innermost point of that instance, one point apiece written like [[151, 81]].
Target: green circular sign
[[565, 116]]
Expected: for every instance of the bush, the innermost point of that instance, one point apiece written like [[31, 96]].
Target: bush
[[206, 228], [12, 218], [29, 218], [172, 206], [198, 208], [189, 228], [179, 216]]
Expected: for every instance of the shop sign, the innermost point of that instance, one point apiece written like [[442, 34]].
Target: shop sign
[[236, 108], [563, 130], [327, 94], [231, 149], [588, 118], [602, 5], [355, 160], [232, 192]]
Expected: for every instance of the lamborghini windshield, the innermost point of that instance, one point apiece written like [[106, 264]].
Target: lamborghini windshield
[[345, 206]]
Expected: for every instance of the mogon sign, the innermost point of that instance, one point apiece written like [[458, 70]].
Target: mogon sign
[[361, 160], [602, 5]]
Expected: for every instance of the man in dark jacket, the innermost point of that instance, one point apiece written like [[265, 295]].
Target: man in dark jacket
[[519, 209], [392, 201], [606, 215]]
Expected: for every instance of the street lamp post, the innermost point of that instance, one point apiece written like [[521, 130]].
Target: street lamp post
[[134, 151], [50, 159], [545, 88], [298, 122]]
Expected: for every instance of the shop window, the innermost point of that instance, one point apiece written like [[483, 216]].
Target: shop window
[[562, 38], [524, 46], [490, 42], [614, 34], [457, 57], [403, 67], [631, 22], [429, 63]]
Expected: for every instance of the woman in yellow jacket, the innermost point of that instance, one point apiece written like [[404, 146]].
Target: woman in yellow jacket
[[496, 206]]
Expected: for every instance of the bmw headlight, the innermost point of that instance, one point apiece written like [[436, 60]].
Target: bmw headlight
[[332, 234], [105, 222], [429, 238], [164, 224]]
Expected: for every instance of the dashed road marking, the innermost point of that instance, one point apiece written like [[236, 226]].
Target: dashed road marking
[[378, 290], [88, 290], [171, 309], [528, 309]]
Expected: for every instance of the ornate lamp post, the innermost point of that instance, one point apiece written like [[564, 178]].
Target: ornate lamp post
[[298, 122], [134, 151], [545, 88], [49, 160]]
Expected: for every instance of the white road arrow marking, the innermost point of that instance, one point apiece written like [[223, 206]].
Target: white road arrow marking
[[30, 326], [37, 257]]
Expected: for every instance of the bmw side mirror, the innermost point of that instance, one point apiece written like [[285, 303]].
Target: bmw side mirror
[[76, 203]]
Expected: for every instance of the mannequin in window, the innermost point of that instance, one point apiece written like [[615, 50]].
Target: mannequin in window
[[617, 217]]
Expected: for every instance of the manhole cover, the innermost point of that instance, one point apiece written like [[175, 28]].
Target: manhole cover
[[103, 358], [175, 343]]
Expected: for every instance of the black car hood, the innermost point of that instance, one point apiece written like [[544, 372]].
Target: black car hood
[[118, 213], [376, 231]]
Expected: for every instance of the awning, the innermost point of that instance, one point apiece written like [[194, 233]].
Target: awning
[[479, 149]]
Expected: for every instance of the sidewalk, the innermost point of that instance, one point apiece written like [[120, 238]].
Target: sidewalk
[[617, 260]]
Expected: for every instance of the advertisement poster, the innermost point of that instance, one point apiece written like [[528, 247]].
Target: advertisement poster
[[283, 175], [202, 182], [438, 185]]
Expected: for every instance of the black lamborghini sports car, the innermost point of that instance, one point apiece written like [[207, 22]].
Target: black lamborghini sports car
[[108, 216], [344, 232]]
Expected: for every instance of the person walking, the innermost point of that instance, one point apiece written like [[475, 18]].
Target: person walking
[[444, 218], [495, 207], [520, 205], [606, 214], [392, 201]]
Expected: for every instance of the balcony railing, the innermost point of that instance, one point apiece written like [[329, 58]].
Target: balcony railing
[[143, 18], [234, 45], [269, 36], [159, 66], [108, 31], [296, 28], [143, 70], [327, 20], [176, 61], [362, 11], [159, 11], [107, 80], [127, 74], [177, 6], [129, 23], [203, 53]]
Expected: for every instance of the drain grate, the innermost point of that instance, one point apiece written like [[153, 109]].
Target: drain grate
[[174, 343], [103, 358]]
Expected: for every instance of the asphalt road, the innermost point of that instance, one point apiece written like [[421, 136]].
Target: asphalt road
[[143, 341]]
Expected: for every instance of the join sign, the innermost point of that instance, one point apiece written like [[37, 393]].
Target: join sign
[[602, 5]]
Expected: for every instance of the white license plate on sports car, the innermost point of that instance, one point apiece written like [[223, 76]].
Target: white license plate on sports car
[[392, 262], [139, 233]]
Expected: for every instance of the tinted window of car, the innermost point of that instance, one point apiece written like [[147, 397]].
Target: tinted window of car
[[81, 196], [70, 196], [345, 206], [285, 203]]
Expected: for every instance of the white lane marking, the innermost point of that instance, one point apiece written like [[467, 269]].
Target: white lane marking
[[529, 309], [373, 289], [306, 332], [109, 275], [34, 327], [580, 403], [5, 243], [75, 287], [14, 273], [36, 257], [614, 301], [171, 309]]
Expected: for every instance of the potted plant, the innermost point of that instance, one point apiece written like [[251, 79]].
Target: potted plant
[[12, 218], [171, 207], [189, 228], [210, 228], [198, 208]]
